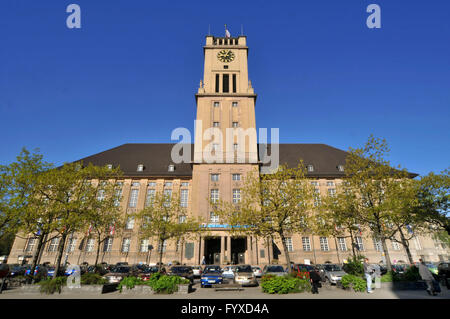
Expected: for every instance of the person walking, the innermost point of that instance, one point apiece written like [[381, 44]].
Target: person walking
[[315, 280], [427, 276], [368, 274]]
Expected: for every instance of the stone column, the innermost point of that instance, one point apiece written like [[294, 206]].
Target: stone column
[[222, 249], [229, 249]]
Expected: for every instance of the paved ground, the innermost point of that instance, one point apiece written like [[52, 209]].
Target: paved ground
[[247, 293]]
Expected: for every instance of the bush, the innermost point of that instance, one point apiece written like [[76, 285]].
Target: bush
[[267, 277], [388, 277], [411, 274], [354, 266], [355, 282], [284, 285], [92, 279], [167, 284], [129, 282], [50, 286]]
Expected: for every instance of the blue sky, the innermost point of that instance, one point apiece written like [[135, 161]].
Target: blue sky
[[129, 75]]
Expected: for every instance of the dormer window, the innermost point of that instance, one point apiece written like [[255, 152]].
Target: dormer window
[[341, 168], [310, 168], [140, 167], [109, 166], [216, 104], [171, 168]]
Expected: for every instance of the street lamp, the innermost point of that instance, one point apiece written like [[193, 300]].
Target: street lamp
[[149, 252]]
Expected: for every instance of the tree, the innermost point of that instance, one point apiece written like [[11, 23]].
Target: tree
[[434, 199], [165, 219], [273, 205], [370, 176]]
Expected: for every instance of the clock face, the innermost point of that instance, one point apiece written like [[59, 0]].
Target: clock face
[[225, 56]]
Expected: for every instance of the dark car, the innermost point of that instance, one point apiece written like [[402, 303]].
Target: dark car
[[302, 270], [117, 273], [17, 270], [146, 271], [444, 273], [211, 275], [399, 268], [182, 271]]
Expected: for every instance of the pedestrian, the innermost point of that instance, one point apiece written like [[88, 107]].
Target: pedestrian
[[203, 261], [368, 274], [427, 276], [315, 280], [377, 273]]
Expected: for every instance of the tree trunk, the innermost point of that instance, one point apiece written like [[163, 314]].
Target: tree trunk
[[288, 259], [160, 257], [37, 253], [406, 246], [98, 252], [353, 243], [62, 244], [386, 252]]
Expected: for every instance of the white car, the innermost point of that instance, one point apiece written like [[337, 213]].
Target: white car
[[197, 271], [228, 272], [257, 271]]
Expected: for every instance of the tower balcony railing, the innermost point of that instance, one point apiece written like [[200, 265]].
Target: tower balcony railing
[[226, 41]]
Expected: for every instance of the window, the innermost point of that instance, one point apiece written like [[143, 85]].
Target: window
[[315, 183], [143, 247], [310, 168], [152, 184], [171, 168], [341, 168], [168, 197], [101, 195], [324, 244], [215, 124], [130, 223], [214, 195], [226, 83], [126, 245], [225, 66], [377, 244], [178, 246], [150, 197], [90, 245], [30, 245], [118, 197], [109, 166], [181, 219], [184, 198], [133, 197], [235, 124], [234, 104], [330, 184], [234, 83], [316, 197], [107, 244], [216, 104], [185, 184], [162, 246], [395, 245], [289, 246], [236, 196], [331, 192], [53, 246], [215, 147], [217, 85], [341, 243], [213, 217], [71, 244], [140, 167], [236, 177], [214, 177], [168, 184], [359, 243], [235, 146], [306, 244]]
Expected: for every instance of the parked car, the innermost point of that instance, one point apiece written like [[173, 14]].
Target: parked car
[[117, 273], [303, 269], [444, 273], [276, 270], [257, 271], [182, 271], [228, 272], [399, 268], [244, 276], [211, 275], [197, 271], [147, 271], [331, 273], [17, 270]]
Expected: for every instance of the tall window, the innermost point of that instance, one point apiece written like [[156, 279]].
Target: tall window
[[130, 223], [30, 245], [236, 196], [184, 198], [71, 244], [181, 219], [331, 192], [101, 195], [226, 83], [214, 177], [118, 196], [150, 197], [168, 197], [217, 83], [342, 244], [126, 245], [324, 244], [53, 245], [213, 217], [395, 245], [377, 244], [214, 195], [236, 177], [162, 246], [306, 244], [289, 245], [90, 245], [107, 244], [143, 247], [330, 184], [316, 196], [234, 83], [133, 197], [359, 243], [235, 146]]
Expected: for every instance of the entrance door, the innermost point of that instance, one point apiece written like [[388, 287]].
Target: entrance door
[[212, 250], [238, 248]]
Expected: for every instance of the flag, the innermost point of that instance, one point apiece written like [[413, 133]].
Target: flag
[[359, 229], [227, 34], [409, 229], [89, 230], [111, 230]]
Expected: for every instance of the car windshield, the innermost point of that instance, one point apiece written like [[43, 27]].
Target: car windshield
[[212, 269], [332, 268], [244, 269], [180, 269], [275, 269], [305, 267], [121, 269]]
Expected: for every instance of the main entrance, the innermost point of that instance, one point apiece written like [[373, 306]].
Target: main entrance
[[238, 248], [212, 250]]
